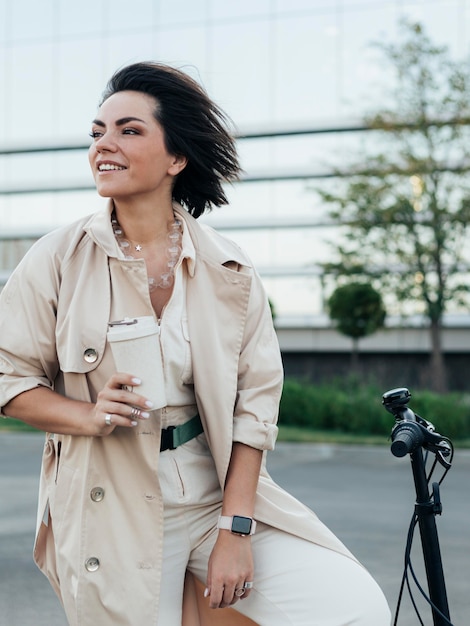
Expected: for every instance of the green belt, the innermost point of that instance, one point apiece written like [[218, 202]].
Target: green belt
[[175, 436]]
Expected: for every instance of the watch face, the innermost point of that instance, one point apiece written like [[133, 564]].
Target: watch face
[[241, 525]]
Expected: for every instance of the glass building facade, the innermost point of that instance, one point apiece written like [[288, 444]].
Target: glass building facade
[[275, 66]]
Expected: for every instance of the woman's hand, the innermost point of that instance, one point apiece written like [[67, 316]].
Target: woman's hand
[[52, 412], [116, 406], [230, 567]]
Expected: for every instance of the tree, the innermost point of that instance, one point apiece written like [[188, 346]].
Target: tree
[[358, 311], [404, 209]]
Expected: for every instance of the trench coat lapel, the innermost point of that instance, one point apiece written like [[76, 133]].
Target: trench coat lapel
[[217, 305]]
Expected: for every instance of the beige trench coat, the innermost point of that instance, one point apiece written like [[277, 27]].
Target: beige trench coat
[[99, 531]]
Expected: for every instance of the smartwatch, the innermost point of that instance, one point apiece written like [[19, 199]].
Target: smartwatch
[[237, 524]]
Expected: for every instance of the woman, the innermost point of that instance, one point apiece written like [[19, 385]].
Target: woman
[[127, 534]]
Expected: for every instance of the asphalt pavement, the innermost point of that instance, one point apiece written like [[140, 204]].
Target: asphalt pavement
[[364, 494]]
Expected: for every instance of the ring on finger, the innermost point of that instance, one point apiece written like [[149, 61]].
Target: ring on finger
[[107, 419], [135, 412], [248, 585], [240, 592]]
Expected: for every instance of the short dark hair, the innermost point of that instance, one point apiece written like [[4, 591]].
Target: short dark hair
[[194, 127]]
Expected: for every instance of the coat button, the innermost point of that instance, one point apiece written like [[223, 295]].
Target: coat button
[[92, 564], [90, 355], [97, 494]]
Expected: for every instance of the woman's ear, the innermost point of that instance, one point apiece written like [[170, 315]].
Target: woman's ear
[[177, 165]]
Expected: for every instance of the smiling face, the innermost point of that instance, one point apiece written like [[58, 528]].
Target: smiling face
[[128, 156]]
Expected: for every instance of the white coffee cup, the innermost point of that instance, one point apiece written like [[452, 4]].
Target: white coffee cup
[[135, 344]]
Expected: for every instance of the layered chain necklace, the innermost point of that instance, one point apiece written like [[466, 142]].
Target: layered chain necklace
[[173, 251]]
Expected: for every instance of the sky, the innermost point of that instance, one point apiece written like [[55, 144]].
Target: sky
[[267, 63]]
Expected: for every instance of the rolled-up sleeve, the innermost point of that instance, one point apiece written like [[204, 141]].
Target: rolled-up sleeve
[[260, 376], [28, 357]]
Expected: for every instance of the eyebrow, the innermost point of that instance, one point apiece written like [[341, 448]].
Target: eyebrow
[[120, 122]]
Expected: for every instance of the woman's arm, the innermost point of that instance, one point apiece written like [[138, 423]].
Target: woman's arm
[[259, 388], [47, 410], [231, 561], [242, 481]]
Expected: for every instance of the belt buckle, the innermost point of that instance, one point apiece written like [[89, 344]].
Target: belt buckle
[[167, 438]]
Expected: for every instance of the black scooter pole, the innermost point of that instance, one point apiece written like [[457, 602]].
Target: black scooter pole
[[408, 437], [426, 510]]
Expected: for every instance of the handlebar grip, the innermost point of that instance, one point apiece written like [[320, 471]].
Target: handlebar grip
[[407, 437]]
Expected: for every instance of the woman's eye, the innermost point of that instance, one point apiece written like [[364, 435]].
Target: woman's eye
[[96, 134]]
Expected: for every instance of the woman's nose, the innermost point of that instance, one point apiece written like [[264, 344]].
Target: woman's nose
[[105, 143]]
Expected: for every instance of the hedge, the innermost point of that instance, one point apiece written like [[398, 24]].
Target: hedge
[[348, 407]]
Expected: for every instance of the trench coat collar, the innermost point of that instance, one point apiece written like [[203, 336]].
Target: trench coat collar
[[205, 240], [208, 244], [99, 229]]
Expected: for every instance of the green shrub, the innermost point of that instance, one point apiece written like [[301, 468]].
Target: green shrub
[[449, 413], [348, 407], [8, 423]]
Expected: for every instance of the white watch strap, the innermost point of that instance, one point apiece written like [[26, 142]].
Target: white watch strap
[[225, 523]]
